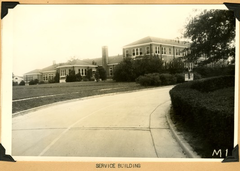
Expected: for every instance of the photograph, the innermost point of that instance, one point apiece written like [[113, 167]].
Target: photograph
[[121, 81]]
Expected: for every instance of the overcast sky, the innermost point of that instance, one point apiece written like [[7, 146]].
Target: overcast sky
[[36, 35]]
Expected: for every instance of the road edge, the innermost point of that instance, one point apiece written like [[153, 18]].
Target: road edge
[[180, 139]]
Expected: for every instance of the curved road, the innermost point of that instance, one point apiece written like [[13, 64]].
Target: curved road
[[131, 124]]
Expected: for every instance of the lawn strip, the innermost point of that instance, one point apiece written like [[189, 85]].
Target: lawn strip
[[85, 91]]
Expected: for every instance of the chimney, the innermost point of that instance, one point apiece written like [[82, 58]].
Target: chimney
[[105, 57]]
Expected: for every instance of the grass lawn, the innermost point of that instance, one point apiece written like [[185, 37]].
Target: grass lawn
[[26, 97]]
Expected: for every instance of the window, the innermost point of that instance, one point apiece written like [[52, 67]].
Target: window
[[163, 50], [63, 72], [29, 78], [170, 51], [177, 51], [137, 52], [85, 71], [133, 52], [157, 50], [110, 71], [148, 50], [126, 53]]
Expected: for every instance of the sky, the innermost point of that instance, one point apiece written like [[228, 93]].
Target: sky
[[34, 36]]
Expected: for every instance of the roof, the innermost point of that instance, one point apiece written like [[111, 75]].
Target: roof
[[34, 71], [111, 60], [115, 59], [49, 68], [150, 39]]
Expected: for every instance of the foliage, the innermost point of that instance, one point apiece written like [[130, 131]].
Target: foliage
[[149, 80], [180, 78], [214, 83], [146, 65], [102, 73], [156, 79], [41, 82], [130, 69], [33, 82], [196, 76], [14, 83], [57, 77], [168, 79], [208, 115], [212, 34], [71, 76], [124, 71], [215, 71], [22, 83], [78, 77], [89, 74], [176, 66], [51, 81], [97, 75]]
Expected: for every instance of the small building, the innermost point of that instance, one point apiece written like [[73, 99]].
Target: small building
[[17, 79]]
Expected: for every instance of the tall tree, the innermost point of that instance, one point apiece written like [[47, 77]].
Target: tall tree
[[212, 33]]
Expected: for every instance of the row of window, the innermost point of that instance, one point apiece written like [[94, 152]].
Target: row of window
[[47, 77], [83, 72], [138, 51]]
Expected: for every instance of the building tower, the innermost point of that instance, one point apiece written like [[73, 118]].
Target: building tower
[[105, 58]]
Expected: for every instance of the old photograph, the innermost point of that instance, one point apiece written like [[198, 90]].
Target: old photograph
[[121, 81]]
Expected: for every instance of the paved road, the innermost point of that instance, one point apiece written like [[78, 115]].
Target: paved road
[[122, 125]]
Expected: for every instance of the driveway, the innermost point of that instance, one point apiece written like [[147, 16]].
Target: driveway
[[131, 124]]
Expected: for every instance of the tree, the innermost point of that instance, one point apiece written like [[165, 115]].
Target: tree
[[102, 73], [97, 76], [89, 74], [22, 83], [124, 71], [57, 77], [71, 77], [212, 34], [78, 77], [176, 66], [146, 65]]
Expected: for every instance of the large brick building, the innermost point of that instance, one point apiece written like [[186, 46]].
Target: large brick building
[[166, 49]]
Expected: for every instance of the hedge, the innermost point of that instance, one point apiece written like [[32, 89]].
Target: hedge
[[214, 83], [156, 79], [209, 115]]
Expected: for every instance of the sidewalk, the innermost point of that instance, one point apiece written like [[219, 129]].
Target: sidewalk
[[160, 119]]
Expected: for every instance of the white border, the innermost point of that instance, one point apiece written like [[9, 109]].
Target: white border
[[6, 111]]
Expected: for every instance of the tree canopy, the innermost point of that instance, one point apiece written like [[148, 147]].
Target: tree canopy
[[212, 35]]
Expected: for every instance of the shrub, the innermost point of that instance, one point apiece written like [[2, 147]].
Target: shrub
[[33, 82], [14, 83], [196, 76], [78, 77], [168, 79], [85, 79], [215, 71], [149, 80], [180, 78], [41, 82], [102, 73], [214, 83], [209, 115], [22, 83]]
